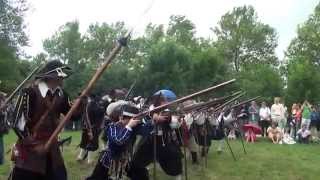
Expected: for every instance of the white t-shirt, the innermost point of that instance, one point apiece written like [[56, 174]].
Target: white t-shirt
[[277, 111], [304, 133], [264, 113]]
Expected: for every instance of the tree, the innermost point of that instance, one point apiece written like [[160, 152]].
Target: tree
[[261, 80], [66, 45], [244, 40], [9, 74], [12, 27], [100, 40], [12, 38], [169, 66], [303, 81], [303, 60], [208, 69], [306, 44], [181, 30]]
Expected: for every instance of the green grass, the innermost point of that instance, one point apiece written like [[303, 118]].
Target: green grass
[[263, 161]]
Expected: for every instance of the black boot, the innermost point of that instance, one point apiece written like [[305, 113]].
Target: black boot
[[194, 157], [203, 152]]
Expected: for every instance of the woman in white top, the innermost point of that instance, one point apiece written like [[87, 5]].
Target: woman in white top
[[264, 114], [278, 113]]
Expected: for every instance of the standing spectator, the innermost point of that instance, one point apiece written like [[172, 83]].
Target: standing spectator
[[306, 112], [278, 113], [3, 127], [264, 114], [243, 116], [298, 116], [292, 120], [254, 113], [304, 134], [315, 122]]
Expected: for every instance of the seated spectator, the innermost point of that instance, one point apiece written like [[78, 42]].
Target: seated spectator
[[274, 133], [304, 134]]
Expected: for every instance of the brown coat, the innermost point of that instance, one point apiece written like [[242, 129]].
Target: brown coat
[[27, 158]]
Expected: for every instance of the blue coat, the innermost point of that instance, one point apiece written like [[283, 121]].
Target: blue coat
[[118, 137]]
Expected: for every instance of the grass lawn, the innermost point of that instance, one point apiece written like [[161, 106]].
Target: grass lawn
[[263, 161]]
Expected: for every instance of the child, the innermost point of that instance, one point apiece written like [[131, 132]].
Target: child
[[119, 133], [304, 134], [274, 133]]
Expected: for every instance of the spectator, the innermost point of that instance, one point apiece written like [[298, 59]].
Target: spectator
[[264, 114], [315, 122], [278, 113], [242, 116], [304, 134], [298, 116], [292, 120], [254, 113], [306, 112], [3, 127], [274, 133]]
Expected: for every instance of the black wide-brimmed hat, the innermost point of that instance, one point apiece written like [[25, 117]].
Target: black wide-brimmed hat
[[54, 69]]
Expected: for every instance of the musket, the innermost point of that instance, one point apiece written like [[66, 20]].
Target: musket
[[122, 42], [209, 104], [244, 102], [241, 103], [35, 70], [219, 108], [180, 100], [130, 90]]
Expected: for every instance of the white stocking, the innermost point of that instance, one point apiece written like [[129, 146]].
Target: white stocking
[[81, 154], [90, 154], [179, 177]]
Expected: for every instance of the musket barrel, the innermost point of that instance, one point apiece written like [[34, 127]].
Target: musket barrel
[[209, 104], [19, 87], [161, 107], [228, 102], [243, 102]]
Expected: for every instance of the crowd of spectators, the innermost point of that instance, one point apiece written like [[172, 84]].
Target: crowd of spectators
[[280, 124]]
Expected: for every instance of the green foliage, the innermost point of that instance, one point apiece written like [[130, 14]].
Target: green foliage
[[12, 38], [261, 80], [182, 30], [9, 74], [208, 69], [303, 81], [171, 57], [306, 43], [169, 66], [303, 60], [244, 40], [12, 23]]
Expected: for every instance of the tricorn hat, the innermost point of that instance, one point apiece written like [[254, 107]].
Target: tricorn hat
[[53, 69]]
